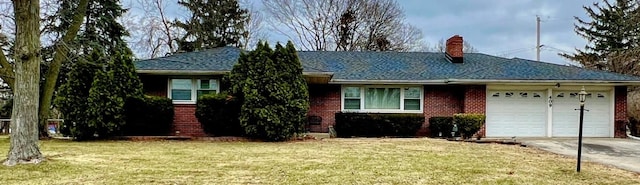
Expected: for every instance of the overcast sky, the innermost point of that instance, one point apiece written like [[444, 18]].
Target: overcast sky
[[504, 28]]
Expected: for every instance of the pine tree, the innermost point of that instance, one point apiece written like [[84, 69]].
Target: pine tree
[[100, 31], [298, 104], [213, 24], [273, 93], [72, 97], [610, 32], [109, 91]]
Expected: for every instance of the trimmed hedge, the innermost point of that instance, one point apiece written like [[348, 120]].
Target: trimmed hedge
[[148, 116], [442, 125], [218, 114], [468, 124], [377, 125]]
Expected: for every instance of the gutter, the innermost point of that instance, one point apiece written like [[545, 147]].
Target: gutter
[[480, 81], [179, 72], [342, 81], [318, 74]]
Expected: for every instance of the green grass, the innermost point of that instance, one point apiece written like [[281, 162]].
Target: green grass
[[331, 161]]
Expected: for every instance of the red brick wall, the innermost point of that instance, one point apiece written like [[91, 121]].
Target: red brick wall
[[324, 101], [475, 99], [440, 100], [154, 85], [185, 121], [620, 113]]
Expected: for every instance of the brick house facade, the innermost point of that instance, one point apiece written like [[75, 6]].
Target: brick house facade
[[325, 102], [439, 100], [452, 82]]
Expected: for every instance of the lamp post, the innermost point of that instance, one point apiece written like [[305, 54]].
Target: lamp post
[[582, 95]]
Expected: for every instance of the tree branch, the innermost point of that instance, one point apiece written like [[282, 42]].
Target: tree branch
[[60, 56]]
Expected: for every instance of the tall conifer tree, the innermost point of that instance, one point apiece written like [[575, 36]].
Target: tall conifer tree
[[273, 92], [213, 23], [611, 31]]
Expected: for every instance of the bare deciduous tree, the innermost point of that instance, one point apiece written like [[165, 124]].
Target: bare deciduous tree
[[254, 26], [344, 24], [153, 35], [308, 22]]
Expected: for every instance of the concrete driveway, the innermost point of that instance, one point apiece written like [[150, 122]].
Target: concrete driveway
[[621, 153]]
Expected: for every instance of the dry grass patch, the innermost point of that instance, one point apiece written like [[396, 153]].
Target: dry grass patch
[[333, 161]]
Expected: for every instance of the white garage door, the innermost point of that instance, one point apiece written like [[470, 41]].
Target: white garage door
[[566, 117], [516, 113]]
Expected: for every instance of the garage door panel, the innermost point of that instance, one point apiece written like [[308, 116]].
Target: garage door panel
[[566, 115], [516, 113]]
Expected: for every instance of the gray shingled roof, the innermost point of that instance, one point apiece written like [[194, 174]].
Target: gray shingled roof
[[396, 66]]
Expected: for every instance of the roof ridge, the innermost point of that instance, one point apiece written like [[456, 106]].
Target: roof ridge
[[192, 52]]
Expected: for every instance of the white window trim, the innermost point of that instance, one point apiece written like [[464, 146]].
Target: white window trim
[[195, 86], [362, 98]]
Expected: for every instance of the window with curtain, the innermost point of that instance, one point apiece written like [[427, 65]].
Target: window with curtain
[[381, 98]]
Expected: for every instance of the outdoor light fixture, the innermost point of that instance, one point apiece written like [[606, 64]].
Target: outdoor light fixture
[[582, 96]]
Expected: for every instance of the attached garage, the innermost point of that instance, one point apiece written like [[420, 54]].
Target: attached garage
[[552, 112], [516, 113], [566, 116]]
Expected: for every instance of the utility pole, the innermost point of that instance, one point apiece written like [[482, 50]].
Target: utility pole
[[538, 46]]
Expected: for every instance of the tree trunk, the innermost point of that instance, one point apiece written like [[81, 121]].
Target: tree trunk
[[24, 120], [60, 56]]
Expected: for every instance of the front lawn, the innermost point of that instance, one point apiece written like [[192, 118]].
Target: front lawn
[[332, 161]]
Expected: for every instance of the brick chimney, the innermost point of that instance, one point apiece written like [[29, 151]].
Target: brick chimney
[[454, 49]]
